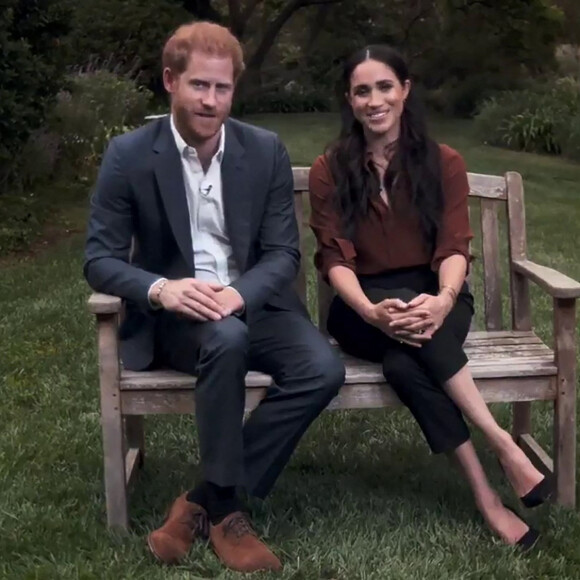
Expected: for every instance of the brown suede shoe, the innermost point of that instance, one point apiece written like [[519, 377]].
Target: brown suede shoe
[[186, 522], [238, 547]]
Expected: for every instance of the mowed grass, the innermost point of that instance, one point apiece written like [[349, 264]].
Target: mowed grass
[[362, 497]]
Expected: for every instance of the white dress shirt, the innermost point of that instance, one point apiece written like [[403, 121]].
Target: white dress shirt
[[212, 253]]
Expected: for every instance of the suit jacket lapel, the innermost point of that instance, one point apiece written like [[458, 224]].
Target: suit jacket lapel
[[237, 199], [169, 175]]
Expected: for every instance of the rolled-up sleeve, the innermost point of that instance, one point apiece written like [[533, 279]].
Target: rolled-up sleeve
[[454, 232], [333, 248]]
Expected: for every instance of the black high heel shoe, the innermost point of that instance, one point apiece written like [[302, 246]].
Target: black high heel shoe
[[529, 539], [539, 493]]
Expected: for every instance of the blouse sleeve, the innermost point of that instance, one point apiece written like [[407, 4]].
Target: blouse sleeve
[[332, 248], [454, 232]]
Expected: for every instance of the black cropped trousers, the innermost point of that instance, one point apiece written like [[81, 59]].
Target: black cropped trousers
[[416, 374]]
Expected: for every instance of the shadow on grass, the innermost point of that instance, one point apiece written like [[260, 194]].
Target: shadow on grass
[[360, 468]]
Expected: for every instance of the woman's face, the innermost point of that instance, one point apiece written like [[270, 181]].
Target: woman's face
[[377, 98]]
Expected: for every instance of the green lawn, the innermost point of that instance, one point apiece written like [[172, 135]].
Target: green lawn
[[362, 497]]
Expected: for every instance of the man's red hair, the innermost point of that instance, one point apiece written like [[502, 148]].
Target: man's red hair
[[205, 37]]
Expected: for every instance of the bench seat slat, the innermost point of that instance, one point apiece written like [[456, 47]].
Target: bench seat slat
[[169, 379], [503, 352], [525, 340], [488, 335], [494, 360]]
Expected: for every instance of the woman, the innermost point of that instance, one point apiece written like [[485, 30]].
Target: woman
[[389, 211]]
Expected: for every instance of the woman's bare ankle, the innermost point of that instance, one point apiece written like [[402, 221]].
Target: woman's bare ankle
[[519, 470]]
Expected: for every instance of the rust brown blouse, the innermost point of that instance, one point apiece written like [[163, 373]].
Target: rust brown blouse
[[385, 240]]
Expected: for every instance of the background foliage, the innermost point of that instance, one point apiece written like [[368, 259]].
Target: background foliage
[[31, 70], [76, 73], [542, 118]]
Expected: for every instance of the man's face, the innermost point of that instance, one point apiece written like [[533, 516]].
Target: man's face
[[201, 96]]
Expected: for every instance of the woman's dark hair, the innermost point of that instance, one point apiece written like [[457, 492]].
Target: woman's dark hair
[[414, 169]]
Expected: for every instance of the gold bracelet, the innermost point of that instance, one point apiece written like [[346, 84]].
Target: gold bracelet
[[451, 290]]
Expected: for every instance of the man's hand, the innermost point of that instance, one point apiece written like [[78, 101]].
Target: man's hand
[[230, 300], [192, 298], [384, 314]]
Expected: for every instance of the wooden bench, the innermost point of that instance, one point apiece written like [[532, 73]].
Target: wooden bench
[[511, 365]]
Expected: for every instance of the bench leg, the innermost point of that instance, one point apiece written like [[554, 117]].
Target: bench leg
[[114, 464], [564, 455], [135, 434], [112, 423], [522, 419], [565, 404]]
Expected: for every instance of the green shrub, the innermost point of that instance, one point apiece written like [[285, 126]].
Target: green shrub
[[536, 119], [40, 212], [33, 39], [20, 221], [96, 106], [568, 59], [569, 137], [134, 31], [38, 159], [461, 98], [481, 48]]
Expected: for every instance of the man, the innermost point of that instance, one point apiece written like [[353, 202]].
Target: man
[[206, 202]]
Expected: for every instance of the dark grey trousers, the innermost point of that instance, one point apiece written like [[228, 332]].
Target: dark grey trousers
[[284, 344]]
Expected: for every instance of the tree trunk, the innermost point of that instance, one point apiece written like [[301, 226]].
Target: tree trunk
[[238, 20]]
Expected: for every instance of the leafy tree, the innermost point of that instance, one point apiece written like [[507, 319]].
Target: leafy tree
[[128, 35], [571, 21], [124, 36], [487, 46], [33, 40], [463, 50], [257, 23]]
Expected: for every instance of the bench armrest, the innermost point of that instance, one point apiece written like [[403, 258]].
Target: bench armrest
[[556, 284], [104, 304]]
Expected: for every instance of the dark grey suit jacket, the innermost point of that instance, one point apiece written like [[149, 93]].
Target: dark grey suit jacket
[[140, 196]]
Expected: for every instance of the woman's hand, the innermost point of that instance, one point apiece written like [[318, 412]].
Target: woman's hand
[[436, 307], [386, 313]]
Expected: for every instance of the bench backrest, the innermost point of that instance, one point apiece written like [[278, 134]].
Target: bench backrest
[[495, 195]]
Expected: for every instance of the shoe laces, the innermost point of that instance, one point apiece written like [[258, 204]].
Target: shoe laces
[[239, 526], [198, 523]]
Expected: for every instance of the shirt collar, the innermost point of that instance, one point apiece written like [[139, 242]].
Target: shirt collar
[[183, 147]]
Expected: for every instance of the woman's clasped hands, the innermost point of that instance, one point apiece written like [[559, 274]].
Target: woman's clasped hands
[[413, 322]]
